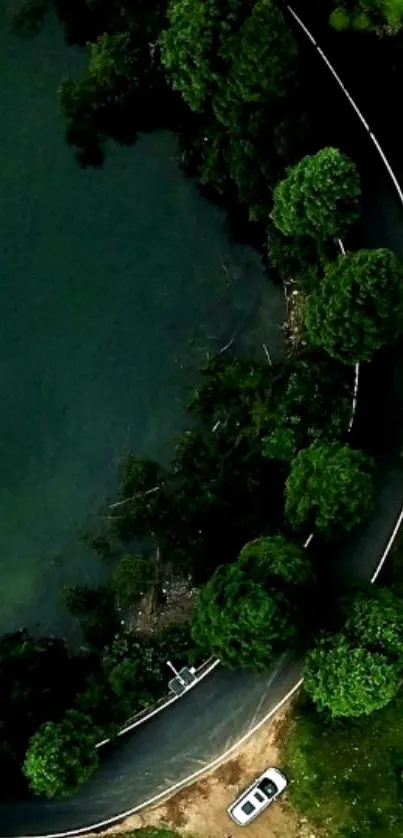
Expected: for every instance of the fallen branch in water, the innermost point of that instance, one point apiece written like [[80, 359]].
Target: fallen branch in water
[[267, 353], [133, 497]]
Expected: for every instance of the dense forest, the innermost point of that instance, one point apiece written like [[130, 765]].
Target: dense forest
[[267, 458]]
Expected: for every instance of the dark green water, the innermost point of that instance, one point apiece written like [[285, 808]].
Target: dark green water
[[112, 283]]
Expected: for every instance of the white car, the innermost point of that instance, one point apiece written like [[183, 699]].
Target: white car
[[258, 796]]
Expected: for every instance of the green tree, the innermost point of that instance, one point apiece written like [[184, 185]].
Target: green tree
[[239, 622], [275, 559], [39, 677], [186, 49], [358, 306], [330, 485], [319, 197], [61, 755], [254, 66], [127, 682], [375, 620], [348, 680], [235, 64], [146, 506], [251, 608], [133, 577], [112, 61], [311, 400]]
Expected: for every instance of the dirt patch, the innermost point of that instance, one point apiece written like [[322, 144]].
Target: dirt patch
[[295, 300], [200, 811], [230, 773], [171, 604]]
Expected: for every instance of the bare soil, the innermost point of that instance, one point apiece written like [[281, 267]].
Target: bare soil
[[295, 314], [200, 811], [172, 605]]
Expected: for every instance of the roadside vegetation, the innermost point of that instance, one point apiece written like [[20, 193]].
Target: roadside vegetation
[[266, 459], [343, 746], [346, 773], [384, 17]]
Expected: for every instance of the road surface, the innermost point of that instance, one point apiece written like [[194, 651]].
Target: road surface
[[205, 722]]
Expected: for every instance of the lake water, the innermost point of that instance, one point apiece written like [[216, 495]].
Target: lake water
[[112, 284]]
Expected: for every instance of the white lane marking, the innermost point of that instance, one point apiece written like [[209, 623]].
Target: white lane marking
[[380, 564], [162, 706], [355, 393], [355, 396], [352, 103], [388, 166], [183, 782], [400, 194], [387, 548]]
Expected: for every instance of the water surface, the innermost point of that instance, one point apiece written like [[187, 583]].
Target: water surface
[[113, 284]]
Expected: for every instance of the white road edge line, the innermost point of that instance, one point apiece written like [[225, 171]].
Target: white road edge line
[[374, 577], [352, 102], [387, 548], [186, 780], [355, 394], [189, 779], [400, 194], [162, 706]]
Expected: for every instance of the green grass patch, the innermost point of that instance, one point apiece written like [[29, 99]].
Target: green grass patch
[[346, 776]]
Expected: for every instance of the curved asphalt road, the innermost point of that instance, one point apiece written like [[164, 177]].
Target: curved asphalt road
[[161, 752], [209, 719]]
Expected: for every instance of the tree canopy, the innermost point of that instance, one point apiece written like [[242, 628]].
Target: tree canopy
[[275, 559], [359, 670], [330, 485], [235, 64], [249, 610], [311, 401], [349, 681], [227, 55], [61, 755], [375, 619], [358, 306], [319, 197], [39, 678], [237, 621]]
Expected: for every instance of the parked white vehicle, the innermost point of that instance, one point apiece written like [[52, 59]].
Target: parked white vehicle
[[258, 796]]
